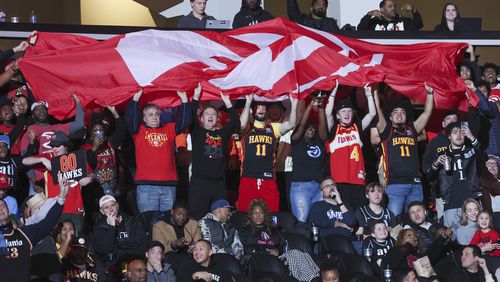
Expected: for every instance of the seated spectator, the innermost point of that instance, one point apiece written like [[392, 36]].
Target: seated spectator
[[331, 215], [486, 238], [197, 18], [115, 234], [259, 235], [430, 234], [468, 222], [490, 184], [176, 232], [330, 271], [157, 269], [374, 211], [79, 265], [387, 18], [473, 268], [203, 267], [308, 153], [251, 13], [405, 275], [216, 229], [317, 19], [16, 242], [63, 236], [136, 271], [459, 181], [380, 242], [449, 18], [9, 200], [407, 251]]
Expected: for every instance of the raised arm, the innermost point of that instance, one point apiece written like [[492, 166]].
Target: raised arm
[[292, 120], [78, 125], [367, 120], [293, 10], [132, 117], [422, 120], [301, 127], [245, 114], [34, 160], [382, 123], [330, 119], [234, 120], [322, 132], [184, 115]]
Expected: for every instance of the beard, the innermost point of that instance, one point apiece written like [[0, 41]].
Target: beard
[[252, 6], [319, 13], [260, 118]]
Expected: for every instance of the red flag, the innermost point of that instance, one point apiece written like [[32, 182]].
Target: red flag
[[270, 59]]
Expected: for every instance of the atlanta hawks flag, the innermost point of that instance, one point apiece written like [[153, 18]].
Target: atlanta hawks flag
[[270, 59]]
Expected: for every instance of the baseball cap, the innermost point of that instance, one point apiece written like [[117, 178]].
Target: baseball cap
[[80, 241], [5, 139], [217, 204], [343, 104], [4, 181], [104, 199], [58, 138], [35, 202], [39, 103], [19, 91]]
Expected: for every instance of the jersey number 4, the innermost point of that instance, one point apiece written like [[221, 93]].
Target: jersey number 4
[[355, 154], [261, 150], [405, 151]]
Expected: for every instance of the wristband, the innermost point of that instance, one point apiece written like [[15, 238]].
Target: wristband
[[340, 204]]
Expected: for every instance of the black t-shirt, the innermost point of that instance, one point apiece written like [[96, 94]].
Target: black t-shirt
[[400, 154], [218, 272], [308, 160], [379, 249], [210, 146], [462, 275], [91, 273], [366, 217]]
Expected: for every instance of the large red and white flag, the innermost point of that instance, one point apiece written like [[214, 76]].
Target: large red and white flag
[[270, 59]]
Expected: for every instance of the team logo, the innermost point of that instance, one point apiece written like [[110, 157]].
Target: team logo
[[313, 151], [408, 132], [156, 139]]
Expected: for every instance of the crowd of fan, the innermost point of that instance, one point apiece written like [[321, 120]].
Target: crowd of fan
[[77, 204]]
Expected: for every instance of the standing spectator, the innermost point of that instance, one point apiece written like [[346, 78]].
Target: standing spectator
[[210, 148], [400, 152], [461, 181], [197, 18], [258, 179], [177, 232], [115, 234], [490, 184], [492, 92], [345, 147], [260, 236], [216, 229], [16, 242], [449, 18], [369, 214], [468, 222], [308, 154], [156, 173], [387, 18], [485, 237], [317, 19], [473, 268], [251, 13], [157, 269], [331, 215], [79, 265]]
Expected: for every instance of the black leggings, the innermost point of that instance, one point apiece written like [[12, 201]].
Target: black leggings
[[202, 192]]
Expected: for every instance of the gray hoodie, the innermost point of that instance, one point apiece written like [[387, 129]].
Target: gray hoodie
[[465, 233]]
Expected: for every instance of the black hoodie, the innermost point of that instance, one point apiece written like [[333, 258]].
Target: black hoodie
[[397, 24], [245, 17]]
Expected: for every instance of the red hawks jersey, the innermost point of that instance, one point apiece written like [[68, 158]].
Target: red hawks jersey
[[346, 156], [154, 153]]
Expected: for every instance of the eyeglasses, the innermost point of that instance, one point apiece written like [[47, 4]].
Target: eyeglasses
[[328, 186]]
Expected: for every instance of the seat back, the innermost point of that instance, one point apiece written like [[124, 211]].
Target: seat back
[[298, 242], [149, 218], [261, 265], [333, 243], [228, 263], [178, 260], [286, 220], [356, 265]]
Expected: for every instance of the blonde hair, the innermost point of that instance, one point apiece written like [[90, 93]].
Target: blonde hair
[[463, 218]]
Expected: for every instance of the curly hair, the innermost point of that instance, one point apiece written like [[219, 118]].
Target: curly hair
[[401, 236], [259, 203]]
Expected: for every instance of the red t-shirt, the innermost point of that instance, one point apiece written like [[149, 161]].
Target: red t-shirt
[[480, 239], [43, 135], [154, 153], [15, 149]]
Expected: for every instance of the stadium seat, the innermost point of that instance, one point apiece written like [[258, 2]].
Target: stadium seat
[[239, 219], [228, 263], [286, 220], [261, 265], [298, 242], [366, 278], [177, 260], [356, 265], [333, 244], [149, 218]]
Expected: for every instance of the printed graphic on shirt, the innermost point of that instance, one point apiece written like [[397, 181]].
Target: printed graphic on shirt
[[213, 146], [334, 214], [76, 273], [313, 151], [391, 27], [156, 139], [265, 239]]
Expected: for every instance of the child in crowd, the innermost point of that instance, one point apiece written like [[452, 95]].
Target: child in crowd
[[486, 238], [468, 225], [379, 242]]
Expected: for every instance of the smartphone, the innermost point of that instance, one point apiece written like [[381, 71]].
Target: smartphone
[[274, 220], [99, 134]]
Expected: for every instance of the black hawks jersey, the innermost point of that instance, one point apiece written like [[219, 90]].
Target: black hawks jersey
[[258, 147], [400, 155], [13, 265]]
